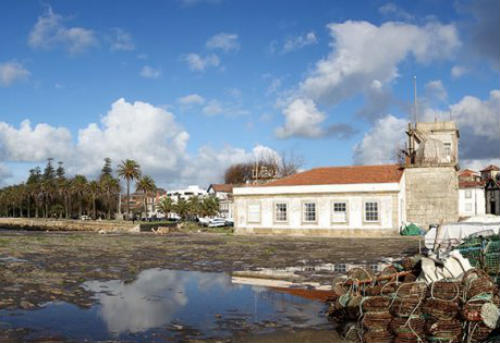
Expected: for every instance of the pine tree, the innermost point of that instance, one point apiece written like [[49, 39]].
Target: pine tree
[[60, 172], [49, 172], [106, 169]]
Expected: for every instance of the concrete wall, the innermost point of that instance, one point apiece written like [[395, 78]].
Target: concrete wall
[[356, 225], [431, 195], [471, 202]]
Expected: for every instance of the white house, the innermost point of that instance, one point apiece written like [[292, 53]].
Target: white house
[[224, 193], [471, 194], [336, 200], [186, 193]]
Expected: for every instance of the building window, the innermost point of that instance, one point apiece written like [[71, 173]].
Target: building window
[[371, 211], [253, 213], [339, 214], [447, 149], [374, 267], [468, 207], [280, 212], [340, 268], [468, 194], [309, 212]]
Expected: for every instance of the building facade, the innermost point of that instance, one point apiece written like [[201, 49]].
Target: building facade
[[471, 194], [224, 193], [364, 200]]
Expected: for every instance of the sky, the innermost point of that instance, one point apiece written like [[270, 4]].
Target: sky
[[188, 87]]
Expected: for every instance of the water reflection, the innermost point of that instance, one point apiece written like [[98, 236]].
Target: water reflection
[[162, 303]]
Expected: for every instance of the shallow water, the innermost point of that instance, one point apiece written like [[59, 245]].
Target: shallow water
[[174, 305]]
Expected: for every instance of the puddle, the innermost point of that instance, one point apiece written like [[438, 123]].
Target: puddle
[[174, 305]]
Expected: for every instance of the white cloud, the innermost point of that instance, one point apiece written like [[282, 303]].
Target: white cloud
[[215, 107], [380, 144], [435, 90], [121, 40], [139, 130], [363, 53], [5, 174], [199, 63], [457, 71], [303, 119], [50, 31], [33, 144], [392, 10], [224, 41], [149, 72], [191, 99], [11, 72], [298, 42]]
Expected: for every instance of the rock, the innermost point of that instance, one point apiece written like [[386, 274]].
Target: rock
[[26, 305]]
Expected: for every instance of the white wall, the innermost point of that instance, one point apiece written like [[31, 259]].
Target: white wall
[[323, 211], [473, 206]]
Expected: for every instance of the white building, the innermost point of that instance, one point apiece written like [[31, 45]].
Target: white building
[[340, 199], [224, 193], [471, 194], [186, 193]]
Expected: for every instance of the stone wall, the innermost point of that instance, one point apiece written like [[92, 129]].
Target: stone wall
[[67, 225], [431, 195]]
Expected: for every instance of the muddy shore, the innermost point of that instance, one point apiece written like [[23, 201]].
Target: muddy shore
[[37, 267]]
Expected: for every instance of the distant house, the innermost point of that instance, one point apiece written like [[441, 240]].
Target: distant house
[[490, 172], [186, 193], [224, 193], [471, 194]]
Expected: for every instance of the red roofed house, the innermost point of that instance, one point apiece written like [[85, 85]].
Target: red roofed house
[[365, 200]]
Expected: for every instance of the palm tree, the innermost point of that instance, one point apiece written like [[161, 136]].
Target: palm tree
[[147, 185], [182, 208], [79, 185], [194, 206], [209, 206], [109, 185], [129, 170], [94, 190], [165, 206]]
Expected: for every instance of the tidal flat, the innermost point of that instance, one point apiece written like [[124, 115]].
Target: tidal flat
[[146, 287]]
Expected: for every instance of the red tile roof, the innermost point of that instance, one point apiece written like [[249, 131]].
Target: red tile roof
[[222, 187], [471, 184], [490, 168], [468, 172], [343, 175]]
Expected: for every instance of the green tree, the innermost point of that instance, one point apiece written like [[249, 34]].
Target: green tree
[[147, 185], [165, 206], [49, 173], [209, 206], [106, 170], [129, 170], [194, 206], [110, 186], [60, 172], [94, 188], [181, 207], [79, 186]]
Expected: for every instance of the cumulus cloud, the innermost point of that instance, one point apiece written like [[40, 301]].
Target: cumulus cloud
[[380, 144], [191, 99], [365, 55], [136, 130], [11, 72], [302, 119], [121, 40], [224, 41], [5, 174], [149, 72], [38, 143], [50, 31], [197, 62], [298, 42]]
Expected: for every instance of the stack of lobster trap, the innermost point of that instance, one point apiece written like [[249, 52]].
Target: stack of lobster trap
[[398, 306]]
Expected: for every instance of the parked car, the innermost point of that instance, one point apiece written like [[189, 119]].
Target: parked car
[[217, 222], [229, 222], [84, 217]]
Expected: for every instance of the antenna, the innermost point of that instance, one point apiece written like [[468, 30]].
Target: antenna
[[415, 104]]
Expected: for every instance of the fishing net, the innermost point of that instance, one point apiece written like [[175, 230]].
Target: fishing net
[[445, 290], [476, 281], [377, 320], [478, 332], [406, 307], [444, 330], [377, 336], [376, 303]]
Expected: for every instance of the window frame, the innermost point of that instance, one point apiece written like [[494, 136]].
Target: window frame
[[365, 220], [303, 207], [468, 193], [260, 213], [332, 211], [287, 213]]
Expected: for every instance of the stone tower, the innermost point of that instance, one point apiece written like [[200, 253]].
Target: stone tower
[[431, 179]]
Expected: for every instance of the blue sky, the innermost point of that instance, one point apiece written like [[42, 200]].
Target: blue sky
[[208, 83]]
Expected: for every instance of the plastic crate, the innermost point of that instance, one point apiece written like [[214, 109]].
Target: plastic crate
[[493, 247]]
